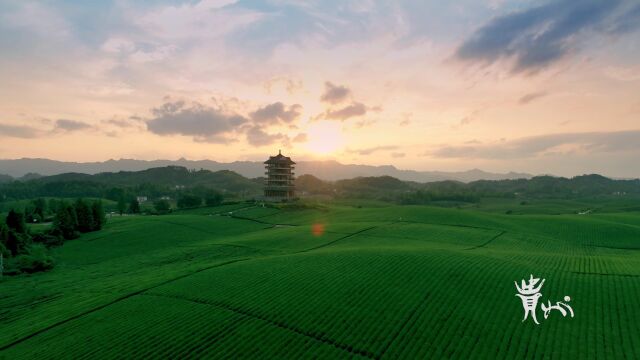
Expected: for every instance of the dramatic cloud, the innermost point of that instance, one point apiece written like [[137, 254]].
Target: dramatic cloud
[[71, 125], [591, 142], [371, 150], [202, 122], [353, 110], [276, 112], [258, 137], [335, 94], [542, 35], [221, 124], [18, 131], [530, 97]]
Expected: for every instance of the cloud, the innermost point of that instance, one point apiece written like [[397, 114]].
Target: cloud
[[468, 119], [406, 119], [18, 131], [276, 112], [591, 142], [116, 45], [70, 125], [205, 19], [203, 123], [527, 98], [540, 36], [222, 122], [334, 94], [365, 123], [155, 53], [626, 21], [290, 85], [131, 123], [397, 155], [300, 138], [371, 150], [353, 110], [258, 137], [119, 123], [625, 74], [28, 132], [39, 19]]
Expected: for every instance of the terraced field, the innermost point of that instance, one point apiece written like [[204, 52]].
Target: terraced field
[[331, 282]]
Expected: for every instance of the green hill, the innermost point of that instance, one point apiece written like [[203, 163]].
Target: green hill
[[171, 180], [5, 178], [332, 282], [152, 182]]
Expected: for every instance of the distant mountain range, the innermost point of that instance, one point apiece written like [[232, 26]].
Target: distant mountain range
[[326, 170]]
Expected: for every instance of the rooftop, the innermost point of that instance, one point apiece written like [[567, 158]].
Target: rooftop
[[279, 159]]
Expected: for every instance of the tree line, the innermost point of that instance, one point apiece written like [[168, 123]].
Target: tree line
[[26, 251]]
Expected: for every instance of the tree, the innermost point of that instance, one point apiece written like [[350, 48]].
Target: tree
[[54, 204], [213, 198], [99, 218], [15, 221], [48, 238], [65, 222], [36, 259], [84, 215], [17, 243], [189, 201], [162, 206], [134, 207], [39, 207], [4, 239], [122, 206], [15, 236]]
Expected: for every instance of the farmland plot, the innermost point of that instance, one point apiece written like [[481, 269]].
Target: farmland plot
[[384, 282]]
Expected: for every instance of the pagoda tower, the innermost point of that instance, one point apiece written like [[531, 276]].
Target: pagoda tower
[[279, 185]]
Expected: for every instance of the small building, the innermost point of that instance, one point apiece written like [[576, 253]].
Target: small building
[[279, 184], [141, 199]]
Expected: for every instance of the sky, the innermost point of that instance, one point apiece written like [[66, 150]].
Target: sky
[[543, 87]]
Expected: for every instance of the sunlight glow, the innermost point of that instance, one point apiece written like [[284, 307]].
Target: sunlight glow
[[325, 137]]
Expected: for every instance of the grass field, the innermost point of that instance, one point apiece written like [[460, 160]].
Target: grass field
[[334, 281]]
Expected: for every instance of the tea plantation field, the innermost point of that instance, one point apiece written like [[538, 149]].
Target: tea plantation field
[[332, 281]]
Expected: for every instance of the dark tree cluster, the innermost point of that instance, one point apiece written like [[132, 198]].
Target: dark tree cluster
[[195, 197], [26, 251], [82, 216], [24, 254], [421, 197]]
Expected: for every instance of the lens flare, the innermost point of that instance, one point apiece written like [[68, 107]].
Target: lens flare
[[317, 229]]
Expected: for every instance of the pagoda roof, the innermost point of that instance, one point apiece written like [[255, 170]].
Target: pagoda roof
[[279, 159]]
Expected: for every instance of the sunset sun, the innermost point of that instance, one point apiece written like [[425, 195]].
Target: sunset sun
[[324, 137]]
